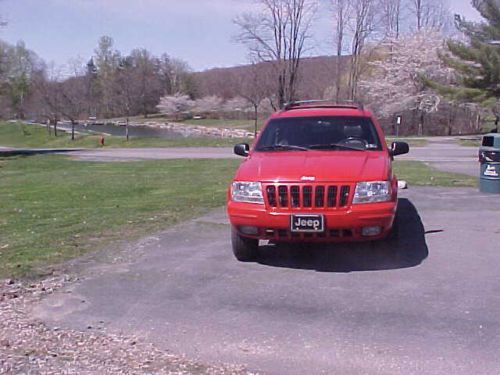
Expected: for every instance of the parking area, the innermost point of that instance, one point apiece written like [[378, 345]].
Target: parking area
[[427, 303]]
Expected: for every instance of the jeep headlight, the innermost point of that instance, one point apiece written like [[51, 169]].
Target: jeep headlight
[[371, 192], [250, 192]]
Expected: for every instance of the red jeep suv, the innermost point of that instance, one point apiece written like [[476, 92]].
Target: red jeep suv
[[318, 172]]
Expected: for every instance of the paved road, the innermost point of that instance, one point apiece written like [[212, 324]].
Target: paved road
[[124, 154], [443, 153], [430, 306]]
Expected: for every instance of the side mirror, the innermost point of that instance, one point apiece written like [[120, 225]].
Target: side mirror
[[399, 148], [242, 149]]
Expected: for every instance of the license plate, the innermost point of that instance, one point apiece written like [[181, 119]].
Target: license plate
[[307, 223]]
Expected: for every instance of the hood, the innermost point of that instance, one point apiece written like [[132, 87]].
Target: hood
[[325, 166]]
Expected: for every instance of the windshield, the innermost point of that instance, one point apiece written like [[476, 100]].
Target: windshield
[[321, 133]]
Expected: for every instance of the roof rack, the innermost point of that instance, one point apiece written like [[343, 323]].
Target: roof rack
[[323, 104]]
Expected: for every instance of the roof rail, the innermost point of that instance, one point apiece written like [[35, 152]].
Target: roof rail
[[323, 104]]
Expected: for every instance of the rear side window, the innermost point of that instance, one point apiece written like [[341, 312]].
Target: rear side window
[[313, 131]]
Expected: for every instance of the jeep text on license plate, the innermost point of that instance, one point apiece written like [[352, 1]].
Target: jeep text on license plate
[[307, 223]]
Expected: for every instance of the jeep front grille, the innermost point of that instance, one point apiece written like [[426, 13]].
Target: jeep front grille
[[297, 196], [344, 195]]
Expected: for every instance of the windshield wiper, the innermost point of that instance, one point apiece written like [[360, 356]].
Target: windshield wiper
[[336, 145], [282, 148]]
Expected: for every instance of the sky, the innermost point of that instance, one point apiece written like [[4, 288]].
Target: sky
[[201, 32]]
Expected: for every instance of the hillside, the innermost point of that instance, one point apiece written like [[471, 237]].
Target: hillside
[[317, 74]]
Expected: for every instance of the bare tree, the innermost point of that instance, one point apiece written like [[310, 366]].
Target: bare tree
[[73, 90], [362, 28], [418, 9], [433, 14], [254, 87], [341, 15], [278, 34], [18, 66], [175, 76], [124, 90], [106, 61], [391, 17], [50, 90], [144, 77]]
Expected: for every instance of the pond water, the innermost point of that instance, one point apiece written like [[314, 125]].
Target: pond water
[[136, 131]]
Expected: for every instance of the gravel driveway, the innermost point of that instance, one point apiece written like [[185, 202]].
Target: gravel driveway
[[27, 346]]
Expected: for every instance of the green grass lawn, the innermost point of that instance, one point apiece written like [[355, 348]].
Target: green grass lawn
[[54, 208], [470, 142], [417, 173], [20, 135]]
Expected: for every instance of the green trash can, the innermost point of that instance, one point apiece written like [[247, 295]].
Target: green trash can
[[489, 157]]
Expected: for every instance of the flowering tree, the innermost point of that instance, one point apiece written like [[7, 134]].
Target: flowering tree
[[208, 104], [237, 104], [397, 79], [173, 105]]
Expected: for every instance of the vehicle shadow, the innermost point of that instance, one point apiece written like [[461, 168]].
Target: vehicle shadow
[[408, 249], [31, 152]]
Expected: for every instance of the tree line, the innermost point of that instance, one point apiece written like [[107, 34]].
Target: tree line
[[109, 84], [391, 54]]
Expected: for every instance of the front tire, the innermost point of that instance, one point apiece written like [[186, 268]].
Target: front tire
[[244, 249]]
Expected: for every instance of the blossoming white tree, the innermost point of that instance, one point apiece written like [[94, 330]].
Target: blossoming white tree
[[208, 104], [396, 81], [237, 104], [173, 105]]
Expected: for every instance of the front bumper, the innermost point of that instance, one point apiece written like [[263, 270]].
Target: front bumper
[[341, 225]]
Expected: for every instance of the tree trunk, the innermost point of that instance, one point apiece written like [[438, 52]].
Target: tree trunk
[[255, 107], [55, 127], [126, 129], [281, 92], [72, 130], [340, 44], [418, 11], [421, 124]]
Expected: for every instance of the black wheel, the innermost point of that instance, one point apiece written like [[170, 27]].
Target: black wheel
[[244, 249]]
